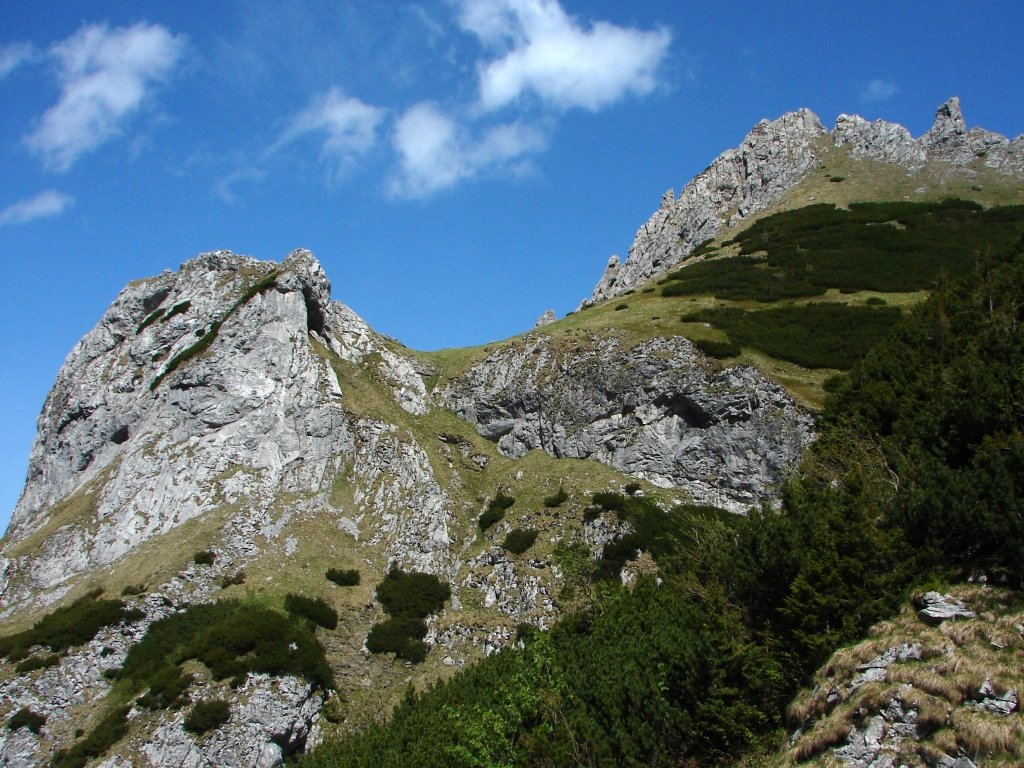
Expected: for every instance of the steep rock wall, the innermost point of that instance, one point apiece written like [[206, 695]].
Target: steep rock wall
[[656, 410]]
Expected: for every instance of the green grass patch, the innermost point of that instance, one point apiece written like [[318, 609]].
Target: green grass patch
[[177, 309], [267, 282], [151, 318]]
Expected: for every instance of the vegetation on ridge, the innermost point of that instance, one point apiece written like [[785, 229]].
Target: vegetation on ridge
[[917, 473]]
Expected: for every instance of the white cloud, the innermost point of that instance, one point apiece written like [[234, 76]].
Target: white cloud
[[106, 75], [224, 187], [44, 205], [349, 125], [13, 55], [879, 90], [436, 152], [546, 52]]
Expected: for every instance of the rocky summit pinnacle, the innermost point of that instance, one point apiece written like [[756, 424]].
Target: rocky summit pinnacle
[[187, 377], [776, 156]]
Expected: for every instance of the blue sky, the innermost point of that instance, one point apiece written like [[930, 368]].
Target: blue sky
[[458, 166]]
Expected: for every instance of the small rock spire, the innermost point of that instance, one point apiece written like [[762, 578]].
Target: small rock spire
[[949, 125]]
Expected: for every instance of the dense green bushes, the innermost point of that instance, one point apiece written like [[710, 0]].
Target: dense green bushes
[[231, 639], [68, 626], [167, 688], [204, 557], [408, 598], [557, 499], [718, 349], [312, 608], [343, 578], [942, 405], [495, 510], [872, 246], [33, 663], [207, 715], [26, 718], [814, 336], [519, 540], [918, 469], [110, 730]]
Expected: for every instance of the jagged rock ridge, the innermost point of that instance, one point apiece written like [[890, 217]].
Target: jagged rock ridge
[[774, 158]]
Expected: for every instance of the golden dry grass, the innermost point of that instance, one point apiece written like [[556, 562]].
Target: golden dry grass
[[824, 734], [984, 733], [957, 658]]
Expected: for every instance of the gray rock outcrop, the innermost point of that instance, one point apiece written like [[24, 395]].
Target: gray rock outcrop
[[937, 608], [146, 429], [547, 318], [773, 159], [653, 410]]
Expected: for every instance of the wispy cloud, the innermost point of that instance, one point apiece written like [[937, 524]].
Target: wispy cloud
[[348, 127], [545, 52], [879, 90], [43, 206], [106, 75], [436, 152], [224, 186], [13, 55]]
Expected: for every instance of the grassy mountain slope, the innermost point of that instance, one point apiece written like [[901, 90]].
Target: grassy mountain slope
[[915, 477]]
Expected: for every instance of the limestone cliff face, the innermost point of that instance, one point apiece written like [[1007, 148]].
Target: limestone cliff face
[[209, 396], [144, 430], [656, 410], [773, 159]]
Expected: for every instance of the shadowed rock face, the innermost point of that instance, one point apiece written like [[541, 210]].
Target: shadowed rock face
[[773, 159], [655, 410]]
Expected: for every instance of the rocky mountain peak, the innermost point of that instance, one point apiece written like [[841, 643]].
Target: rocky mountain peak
[[772, 157], [776, 156], [949, 125]]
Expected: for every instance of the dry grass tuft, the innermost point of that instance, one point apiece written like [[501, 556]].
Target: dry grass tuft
[[983, 733], [927, 680], [805, 706], [824, 734], [963, 632], [844, 663], [874, 697], [932, 712]]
